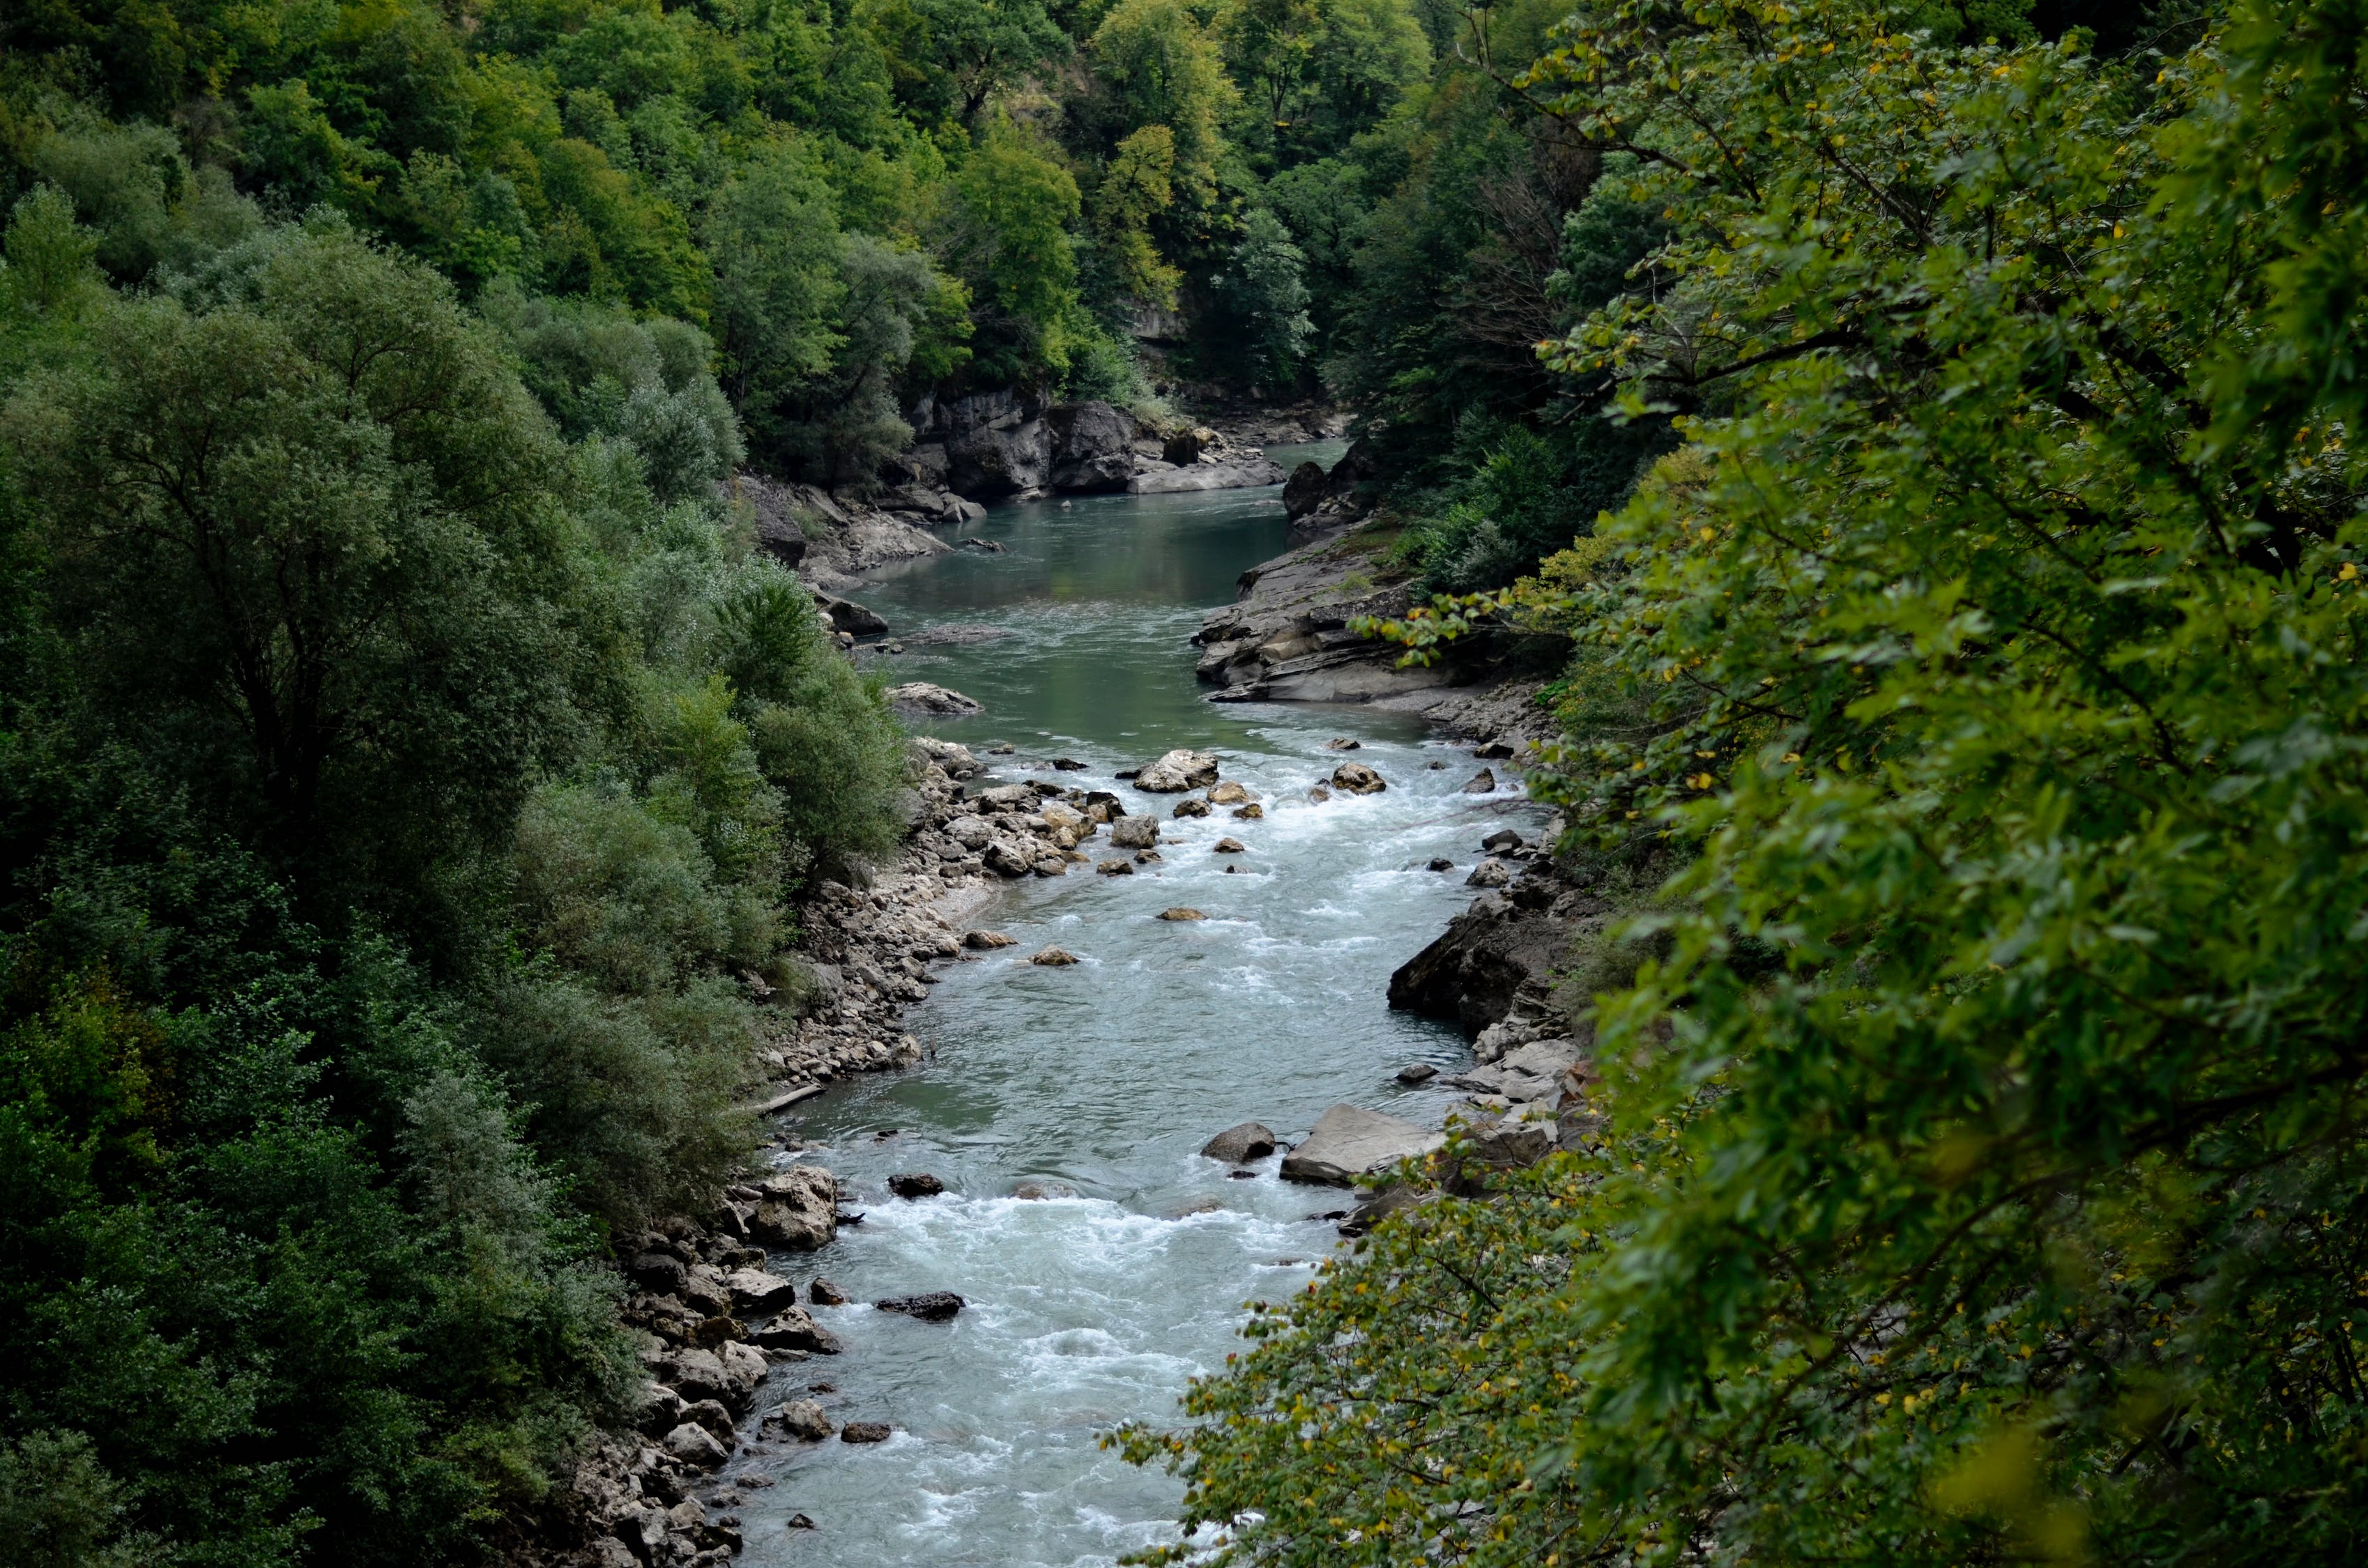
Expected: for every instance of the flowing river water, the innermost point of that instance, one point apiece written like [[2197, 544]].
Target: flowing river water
[[1089, 1310]]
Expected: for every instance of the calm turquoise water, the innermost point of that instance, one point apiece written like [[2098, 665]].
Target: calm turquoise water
[[1090, 1311]]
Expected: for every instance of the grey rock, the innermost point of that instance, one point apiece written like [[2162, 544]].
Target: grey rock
[[916, 1183], [981, 941], [695, 1445], [1481, 783], [1503, 838], [1207, 476], [1239, 1145], [929, 1306], [796, 1329], [1191, 806], [1134, 832], [1094, 447], [1492, 954], [803, 1419], [1357, 779], [848, 616], [1416, 1073], [711, 1413], [1115, 868], [754, 1288], [1177, 771], [973, 832], [823, 1293], [1350, 1140], [658, 1273], [864, 1432], [1005, 858], [923, 697], [799, 1208], [1306, 489], [1489, 873], [1052, 958]]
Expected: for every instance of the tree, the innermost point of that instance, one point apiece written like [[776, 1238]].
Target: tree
[[308, 553], [1154, 64], [952, 57], [1135, 189], [1011, 244], [1265, 288]]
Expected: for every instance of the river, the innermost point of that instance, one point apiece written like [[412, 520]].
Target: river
[[1085, 1312]]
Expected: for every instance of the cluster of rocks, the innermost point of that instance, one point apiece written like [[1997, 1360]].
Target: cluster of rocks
[[1006, 443], [711, 1321]]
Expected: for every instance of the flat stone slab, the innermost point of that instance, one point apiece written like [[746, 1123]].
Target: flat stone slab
[[1350, 1140]]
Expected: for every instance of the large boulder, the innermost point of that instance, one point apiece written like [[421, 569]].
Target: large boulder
[[1357, 779], [1305, 489], [802, 1418], [846, 615], [1094, 447], [799, 1208], [1206, 476], [727, 1374], [1177, 771], [1134, 832], [1493, 954], [796, 1329], [1237, 1145], [1350, 1140], [755, 1287], [695, 1445], [922, 697], [1006, 450]]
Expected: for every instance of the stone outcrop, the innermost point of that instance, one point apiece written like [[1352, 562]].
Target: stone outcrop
[[995, 445], [1287, 639], [1496, 960], [1349, 1141]]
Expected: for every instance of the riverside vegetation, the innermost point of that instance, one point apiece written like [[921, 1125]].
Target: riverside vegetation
[[1968, 713]]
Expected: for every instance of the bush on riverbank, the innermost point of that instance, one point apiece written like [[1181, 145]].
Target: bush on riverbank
[[2000, 641], [392, 794]]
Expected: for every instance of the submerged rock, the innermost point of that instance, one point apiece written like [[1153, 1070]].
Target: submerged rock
[[1181, 912], [823, 1293], [1227, 794], [1053, 958], [1357, 779], [1416, 1073], [1481, 783], [803, 1419], [863, 1432], [1194, 807], [916, 1183], [1350, 1140], [929, 1306], [923, 697], [1228, 847], [1239, 1145], [1037, 1191], [1115, 868]]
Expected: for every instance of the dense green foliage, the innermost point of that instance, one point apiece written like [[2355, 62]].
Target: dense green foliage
[[400, 761], [1981, 1179]]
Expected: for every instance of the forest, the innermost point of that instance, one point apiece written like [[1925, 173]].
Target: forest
[[1918, 435]]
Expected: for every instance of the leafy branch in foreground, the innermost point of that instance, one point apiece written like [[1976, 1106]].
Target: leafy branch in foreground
[[2001, 639]]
